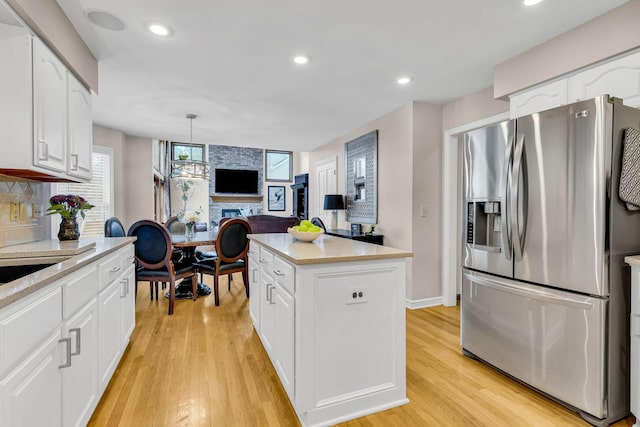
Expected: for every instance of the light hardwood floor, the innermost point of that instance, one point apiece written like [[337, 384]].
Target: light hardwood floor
[[205, 366]]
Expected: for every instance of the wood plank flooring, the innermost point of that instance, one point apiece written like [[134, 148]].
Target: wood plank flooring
[[205, 366]]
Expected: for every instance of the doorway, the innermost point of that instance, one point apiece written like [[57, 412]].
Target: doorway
[[326, 183]]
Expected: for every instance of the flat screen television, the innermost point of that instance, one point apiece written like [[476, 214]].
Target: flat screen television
[[236, 181]]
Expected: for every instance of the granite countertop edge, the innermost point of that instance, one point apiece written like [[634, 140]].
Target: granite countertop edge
[[326, 249], [20, 288]]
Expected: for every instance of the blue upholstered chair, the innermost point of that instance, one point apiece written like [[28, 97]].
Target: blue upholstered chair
[[232, 246], [153, 250]]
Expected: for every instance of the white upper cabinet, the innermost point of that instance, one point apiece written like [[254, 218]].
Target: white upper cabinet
[[541, 98], [49, 109], [619, 78], [80, 130], [45, 113]]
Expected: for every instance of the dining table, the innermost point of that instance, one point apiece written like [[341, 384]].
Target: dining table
[[188, 245]]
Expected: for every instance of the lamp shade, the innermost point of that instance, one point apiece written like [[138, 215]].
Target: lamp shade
[[333, 202]]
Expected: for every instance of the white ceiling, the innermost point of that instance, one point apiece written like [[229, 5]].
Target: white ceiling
[[229, 61]]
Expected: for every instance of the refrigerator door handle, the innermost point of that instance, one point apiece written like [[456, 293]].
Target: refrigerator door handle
[[503, 286], [515, 196], [504, 217]]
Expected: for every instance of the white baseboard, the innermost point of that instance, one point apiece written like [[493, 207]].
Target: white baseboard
[[422, 303]]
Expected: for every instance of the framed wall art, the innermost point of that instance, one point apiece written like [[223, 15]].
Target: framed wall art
[[276, 198]]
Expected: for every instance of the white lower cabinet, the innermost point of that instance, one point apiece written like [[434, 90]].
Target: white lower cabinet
[[52, 369], [284, 321], [80, 379], [254, 289], [30, 394]]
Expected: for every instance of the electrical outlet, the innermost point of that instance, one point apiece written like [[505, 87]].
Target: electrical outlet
[[356, 295], [423, 211], [14, 212], [22, 208]]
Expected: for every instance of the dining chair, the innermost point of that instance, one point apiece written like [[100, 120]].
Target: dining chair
[[113, 228], [317, 221], [153, 251], [232, 247]]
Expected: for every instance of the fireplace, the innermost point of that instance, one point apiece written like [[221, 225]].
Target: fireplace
[[231, 213]]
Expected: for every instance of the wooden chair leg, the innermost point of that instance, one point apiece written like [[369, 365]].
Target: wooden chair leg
[[194, 286], [215, 290], [155, 285], [229, 282], [151, 291], [172, 294], [245, 281]]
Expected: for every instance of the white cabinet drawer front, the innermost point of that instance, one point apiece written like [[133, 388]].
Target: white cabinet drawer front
[[128, 256], [27, 326], [79, 289], [265, 260], [284, 273], [110, 269]]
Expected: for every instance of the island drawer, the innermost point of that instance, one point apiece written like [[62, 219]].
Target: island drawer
[[265, 260], [284, 273]]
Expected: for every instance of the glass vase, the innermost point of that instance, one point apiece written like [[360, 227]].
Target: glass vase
[[189, 230], [69, 229]]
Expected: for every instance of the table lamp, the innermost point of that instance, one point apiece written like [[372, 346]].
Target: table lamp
[[333, 202]]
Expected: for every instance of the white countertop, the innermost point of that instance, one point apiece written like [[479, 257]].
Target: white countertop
[[44, 252], [633, 260], [325, 249]]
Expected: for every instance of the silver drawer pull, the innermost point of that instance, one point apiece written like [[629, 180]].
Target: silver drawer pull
[[115, 269], [67, 342], [78, 332], [278, 273], [74, 162]]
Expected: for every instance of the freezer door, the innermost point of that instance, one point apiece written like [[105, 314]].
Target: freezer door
[[486, 163], [562, 159], [551, 340]]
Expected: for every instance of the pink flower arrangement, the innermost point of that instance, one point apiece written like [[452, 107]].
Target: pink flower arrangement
[[68, 205]]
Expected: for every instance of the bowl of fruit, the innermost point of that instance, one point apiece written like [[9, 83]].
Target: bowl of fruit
[[306, 231]]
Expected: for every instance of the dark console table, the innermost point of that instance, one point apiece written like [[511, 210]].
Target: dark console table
[[363, 237]]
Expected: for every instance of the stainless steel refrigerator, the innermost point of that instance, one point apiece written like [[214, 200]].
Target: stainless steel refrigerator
[[545, 292]]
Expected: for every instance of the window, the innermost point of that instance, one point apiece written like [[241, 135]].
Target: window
[[278, 165], [99, 192], [181, 151]]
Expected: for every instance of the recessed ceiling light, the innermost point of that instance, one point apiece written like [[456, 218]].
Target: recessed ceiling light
[[301, 59], [159, 29], [404, 80], [105, 20], [531, 2]]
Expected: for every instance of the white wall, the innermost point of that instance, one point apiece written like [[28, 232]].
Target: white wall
[[138, 182]]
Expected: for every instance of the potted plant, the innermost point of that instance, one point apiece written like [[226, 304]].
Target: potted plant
[[68, 206]]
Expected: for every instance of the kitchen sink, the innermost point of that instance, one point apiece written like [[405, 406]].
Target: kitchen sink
[[10, 273]]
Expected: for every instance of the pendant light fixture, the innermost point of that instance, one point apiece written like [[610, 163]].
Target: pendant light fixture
[[190, 168]]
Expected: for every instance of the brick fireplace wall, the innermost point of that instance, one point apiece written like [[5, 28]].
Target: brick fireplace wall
[[225, 157]]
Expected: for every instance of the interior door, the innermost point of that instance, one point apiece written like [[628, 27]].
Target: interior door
[[326, 183], [561, 193]]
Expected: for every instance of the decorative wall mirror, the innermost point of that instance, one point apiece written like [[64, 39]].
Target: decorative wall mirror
[[361, 176]]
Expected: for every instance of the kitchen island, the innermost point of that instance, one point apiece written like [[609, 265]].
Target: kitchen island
[[331, 316]]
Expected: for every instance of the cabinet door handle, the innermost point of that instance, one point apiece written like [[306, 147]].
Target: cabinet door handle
[[124, 288], [67, 342], [253, 273], [267, 293], [271, 301], [74, 162], [126, 280], [44, 151], [78, 333]]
